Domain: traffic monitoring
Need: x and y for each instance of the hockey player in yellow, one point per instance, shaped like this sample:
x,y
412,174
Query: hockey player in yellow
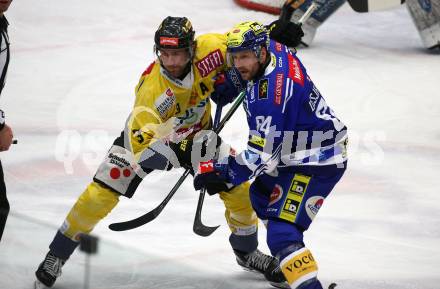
x,y
172,105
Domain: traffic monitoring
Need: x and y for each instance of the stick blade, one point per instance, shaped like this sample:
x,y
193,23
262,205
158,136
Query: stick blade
x,y
203,230
135,223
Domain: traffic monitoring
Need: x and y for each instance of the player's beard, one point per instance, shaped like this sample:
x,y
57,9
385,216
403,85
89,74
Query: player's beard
x,y
175,71
245,74
248,73
178,71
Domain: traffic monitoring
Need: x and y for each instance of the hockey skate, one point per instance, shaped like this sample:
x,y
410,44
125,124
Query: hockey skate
x,y
48,271
264,264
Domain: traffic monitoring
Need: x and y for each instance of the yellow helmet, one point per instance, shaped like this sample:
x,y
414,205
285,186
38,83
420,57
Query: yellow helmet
x,y
248,35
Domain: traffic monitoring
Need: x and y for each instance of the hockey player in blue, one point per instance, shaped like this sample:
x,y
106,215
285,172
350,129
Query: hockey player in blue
x,y
296,150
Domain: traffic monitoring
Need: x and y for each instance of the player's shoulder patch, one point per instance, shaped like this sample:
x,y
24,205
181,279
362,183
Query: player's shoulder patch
x,y
149,69
263,86
144,75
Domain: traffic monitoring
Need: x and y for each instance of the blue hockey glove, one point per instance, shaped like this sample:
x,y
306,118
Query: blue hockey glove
x,y
212,176
227,86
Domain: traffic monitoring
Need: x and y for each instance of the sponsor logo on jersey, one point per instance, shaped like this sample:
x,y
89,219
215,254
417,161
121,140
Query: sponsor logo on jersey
x,y
257,140
192,114
290,209
165,102
298,187
122,167
299,265
278,88
210,62
276,195
263,85
206,167
280,61
294,197
295,72
119,161
169,41
313,205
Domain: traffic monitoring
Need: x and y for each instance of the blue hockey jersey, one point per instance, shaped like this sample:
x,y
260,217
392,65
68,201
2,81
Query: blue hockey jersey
x,y
290,124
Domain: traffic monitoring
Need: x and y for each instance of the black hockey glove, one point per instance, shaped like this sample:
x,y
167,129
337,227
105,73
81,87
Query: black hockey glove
x,y
227,86
183,150
212,176
284,31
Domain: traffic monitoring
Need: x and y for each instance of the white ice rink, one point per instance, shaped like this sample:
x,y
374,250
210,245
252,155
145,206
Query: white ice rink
x,y
71,86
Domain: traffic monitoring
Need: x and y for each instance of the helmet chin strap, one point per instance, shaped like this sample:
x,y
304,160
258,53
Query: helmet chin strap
x,y
263,64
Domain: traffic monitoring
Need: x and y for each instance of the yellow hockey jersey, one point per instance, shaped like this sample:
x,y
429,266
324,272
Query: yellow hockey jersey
x,y
170,109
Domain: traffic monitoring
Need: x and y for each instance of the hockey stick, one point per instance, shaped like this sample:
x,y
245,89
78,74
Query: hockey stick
x,y
150,216
198,227
363,6
308,13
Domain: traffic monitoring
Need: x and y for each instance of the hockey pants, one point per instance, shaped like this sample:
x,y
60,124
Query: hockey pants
x,y
97,201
